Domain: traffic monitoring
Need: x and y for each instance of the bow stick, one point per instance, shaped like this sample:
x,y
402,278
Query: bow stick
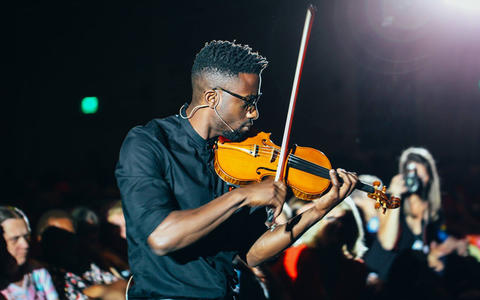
x,y
307,28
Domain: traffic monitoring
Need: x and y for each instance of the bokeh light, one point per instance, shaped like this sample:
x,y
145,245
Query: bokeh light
x,y
89,105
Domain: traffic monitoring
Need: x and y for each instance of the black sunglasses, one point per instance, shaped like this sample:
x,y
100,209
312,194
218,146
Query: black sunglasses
x,y
250,100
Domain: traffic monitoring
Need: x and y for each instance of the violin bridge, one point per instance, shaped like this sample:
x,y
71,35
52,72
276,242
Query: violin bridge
x,y
254,152
275,153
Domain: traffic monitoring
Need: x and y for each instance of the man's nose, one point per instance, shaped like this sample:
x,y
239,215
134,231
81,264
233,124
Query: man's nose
x,y
23,242
253,113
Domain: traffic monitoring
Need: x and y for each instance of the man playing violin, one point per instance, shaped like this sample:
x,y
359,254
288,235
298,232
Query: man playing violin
x,y
184,224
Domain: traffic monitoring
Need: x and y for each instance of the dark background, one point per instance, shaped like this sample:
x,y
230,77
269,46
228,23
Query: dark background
x,y
379,76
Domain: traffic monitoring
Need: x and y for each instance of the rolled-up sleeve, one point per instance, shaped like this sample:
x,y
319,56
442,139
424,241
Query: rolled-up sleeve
x,y
146,197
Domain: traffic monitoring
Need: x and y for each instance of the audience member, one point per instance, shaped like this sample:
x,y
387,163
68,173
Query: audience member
x,y
74,271
416,225
56,218
88,231
86,222
115,216
112,234
23,280
8,264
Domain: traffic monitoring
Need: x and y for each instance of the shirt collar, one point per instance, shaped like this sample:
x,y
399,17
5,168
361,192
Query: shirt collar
x,y
193,134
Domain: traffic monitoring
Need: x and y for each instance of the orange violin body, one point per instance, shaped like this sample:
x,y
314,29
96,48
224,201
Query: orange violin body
x,y
257,157
306,170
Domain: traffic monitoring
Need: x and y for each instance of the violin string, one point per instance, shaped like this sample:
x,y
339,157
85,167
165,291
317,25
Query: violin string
x,y
323,172
308,163
300,163
304,165
297,161
307,168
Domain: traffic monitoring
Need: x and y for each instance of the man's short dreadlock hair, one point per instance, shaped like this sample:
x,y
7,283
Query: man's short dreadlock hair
x,y
228,58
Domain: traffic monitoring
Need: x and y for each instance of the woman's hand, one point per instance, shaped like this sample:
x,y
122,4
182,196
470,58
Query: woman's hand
x,y
397,186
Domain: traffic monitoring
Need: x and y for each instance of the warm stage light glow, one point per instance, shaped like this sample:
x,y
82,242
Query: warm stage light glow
x,y
467,5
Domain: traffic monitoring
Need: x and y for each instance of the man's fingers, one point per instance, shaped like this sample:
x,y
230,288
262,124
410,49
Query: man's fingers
x,y
334,179
278,211
347,183
353,179
280,186
330,199
279,197
277,205
337,190
280,191
334,190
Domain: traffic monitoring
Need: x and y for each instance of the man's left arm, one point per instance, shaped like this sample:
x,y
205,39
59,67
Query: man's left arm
x,y
273,242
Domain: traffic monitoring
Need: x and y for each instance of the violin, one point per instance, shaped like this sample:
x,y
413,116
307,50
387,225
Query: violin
x,y
306,170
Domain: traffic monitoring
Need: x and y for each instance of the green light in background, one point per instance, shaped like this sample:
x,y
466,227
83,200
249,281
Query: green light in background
x,y
89,105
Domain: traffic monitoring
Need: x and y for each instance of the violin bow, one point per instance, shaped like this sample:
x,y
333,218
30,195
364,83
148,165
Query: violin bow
x,y
307,28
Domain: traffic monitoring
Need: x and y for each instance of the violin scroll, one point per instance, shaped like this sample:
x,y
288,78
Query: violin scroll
x,y
381,198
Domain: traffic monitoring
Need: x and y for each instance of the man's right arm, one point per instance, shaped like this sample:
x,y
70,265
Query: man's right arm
x,y
153,214
184,227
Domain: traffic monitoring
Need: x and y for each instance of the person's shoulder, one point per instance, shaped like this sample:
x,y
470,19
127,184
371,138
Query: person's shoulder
x,y
40,274
158,129
33,264
146,146
156,132
43,282
39,270
163,125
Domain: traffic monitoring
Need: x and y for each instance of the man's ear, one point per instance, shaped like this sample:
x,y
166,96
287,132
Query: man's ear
x,y
211,98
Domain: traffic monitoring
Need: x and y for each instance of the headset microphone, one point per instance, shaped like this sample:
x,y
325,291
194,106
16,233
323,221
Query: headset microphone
x,y
215,109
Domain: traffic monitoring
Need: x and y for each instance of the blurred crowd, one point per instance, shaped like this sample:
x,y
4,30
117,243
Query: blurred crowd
x,y
66,254
59,250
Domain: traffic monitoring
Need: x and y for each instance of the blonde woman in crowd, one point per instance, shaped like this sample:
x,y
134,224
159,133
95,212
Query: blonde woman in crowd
x,y
415,226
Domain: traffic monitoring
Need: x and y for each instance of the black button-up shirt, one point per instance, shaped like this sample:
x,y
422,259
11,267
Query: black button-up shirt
x,y
165,166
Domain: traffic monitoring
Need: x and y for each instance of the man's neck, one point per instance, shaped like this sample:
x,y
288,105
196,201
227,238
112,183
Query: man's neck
x,y
200,122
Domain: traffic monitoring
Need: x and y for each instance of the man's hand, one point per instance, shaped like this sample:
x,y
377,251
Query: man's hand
x,y
276,240
338,191
268,193
184,227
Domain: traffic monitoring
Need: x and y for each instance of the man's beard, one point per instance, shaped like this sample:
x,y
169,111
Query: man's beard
x,y
237,135
234,136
